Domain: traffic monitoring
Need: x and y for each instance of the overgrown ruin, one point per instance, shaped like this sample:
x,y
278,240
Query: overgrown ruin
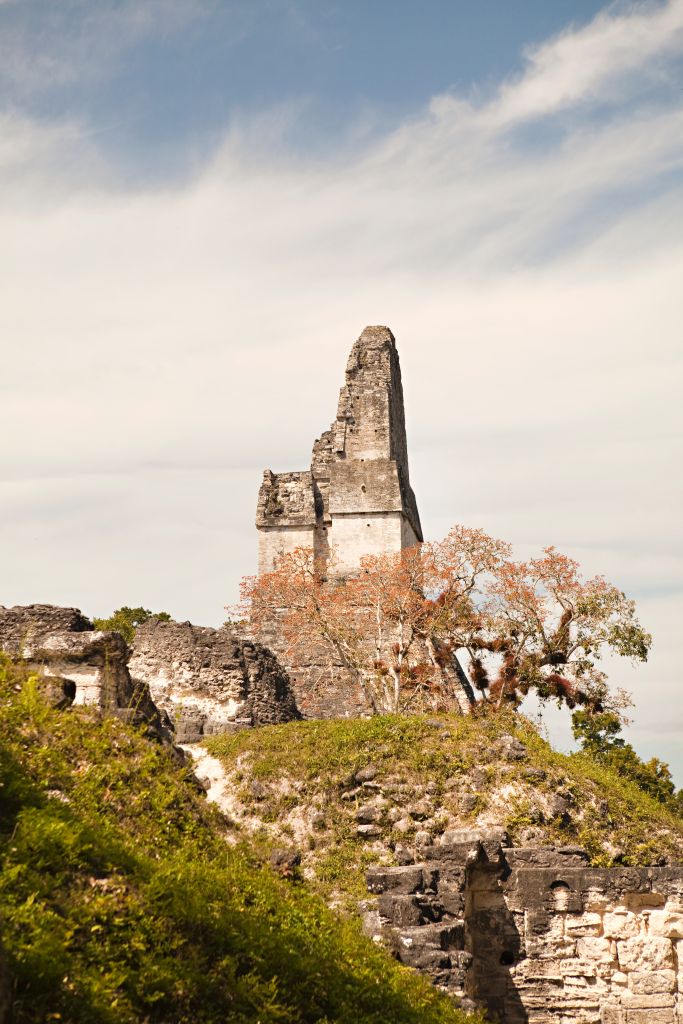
x,y
355,500
530,933
537,935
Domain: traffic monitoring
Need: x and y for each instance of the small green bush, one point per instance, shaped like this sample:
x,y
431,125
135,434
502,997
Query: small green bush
x,y
126,620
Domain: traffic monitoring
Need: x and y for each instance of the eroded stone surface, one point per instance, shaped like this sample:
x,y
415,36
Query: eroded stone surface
x,y
210,680
355,500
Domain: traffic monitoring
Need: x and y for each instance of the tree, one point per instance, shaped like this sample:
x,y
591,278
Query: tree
x,y
126,620
433,625
551,628
600,737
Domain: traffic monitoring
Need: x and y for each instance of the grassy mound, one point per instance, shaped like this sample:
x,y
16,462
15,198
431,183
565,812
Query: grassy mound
x,y
430,775
120,900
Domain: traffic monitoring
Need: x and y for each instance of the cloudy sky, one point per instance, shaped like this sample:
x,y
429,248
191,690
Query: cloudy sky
x,y
203,202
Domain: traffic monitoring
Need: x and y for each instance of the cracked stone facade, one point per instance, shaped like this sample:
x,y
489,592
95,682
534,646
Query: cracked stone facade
x,y
183,681
355,500
536,935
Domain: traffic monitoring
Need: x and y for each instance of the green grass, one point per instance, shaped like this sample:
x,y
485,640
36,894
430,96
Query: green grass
x,y
610,816
332,751
121,902
638,825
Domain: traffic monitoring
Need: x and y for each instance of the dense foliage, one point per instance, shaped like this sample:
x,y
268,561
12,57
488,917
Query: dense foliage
x,y
600,737
121,901
126,620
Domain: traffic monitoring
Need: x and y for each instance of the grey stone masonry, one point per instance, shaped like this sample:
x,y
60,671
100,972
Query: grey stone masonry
x,y
536,934
356,499
183,681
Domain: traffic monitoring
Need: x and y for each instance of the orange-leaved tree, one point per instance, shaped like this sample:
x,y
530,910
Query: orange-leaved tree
x,y
551,627
434,625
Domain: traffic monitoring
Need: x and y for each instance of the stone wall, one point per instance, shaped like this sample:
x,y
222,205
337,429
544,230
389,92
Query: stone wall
x,y
537,935
210,680
285,515
353,536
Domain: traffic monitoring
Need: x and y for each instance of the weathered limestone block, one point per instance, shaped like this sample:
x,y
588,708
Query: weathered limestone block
x,y
651,1015
623,924
408,879
642,1001
597,951
588,923
210,680
650,982
667,922
646,953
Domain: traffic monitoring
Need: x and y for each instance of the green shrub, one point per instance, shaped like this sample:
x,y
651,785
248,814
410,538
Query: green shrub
x,y
600,738
122,902
126,620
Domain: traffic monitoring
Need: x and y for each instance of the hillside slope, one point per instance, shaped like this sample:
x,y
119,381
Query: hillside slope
x,y
349,793
121,902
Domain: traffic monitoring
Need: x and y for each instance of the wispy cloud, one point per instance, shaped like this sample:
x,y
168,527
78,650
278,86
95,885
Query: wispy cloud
x,y
47,45
590,63
533,281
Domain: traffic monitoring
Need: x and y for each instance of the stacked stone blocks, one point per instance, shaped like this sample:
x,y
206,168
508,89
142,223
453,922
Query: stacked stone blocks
x,y
537,935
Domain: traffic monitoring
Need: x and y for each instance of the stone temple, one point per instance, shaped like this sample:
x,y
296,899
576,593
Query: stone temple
x,y
356,498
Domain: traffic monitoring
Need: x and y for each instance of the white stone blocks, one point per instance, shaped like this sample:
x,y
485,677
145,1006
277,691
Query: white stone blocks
x,y
646,953
621,925
667,922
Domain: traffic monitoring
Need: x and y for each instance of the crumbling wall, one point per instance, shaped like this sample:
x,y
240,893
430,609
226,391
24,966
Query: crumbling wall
x,y
286,516
210,680
537,935
87,666
356,499
599,944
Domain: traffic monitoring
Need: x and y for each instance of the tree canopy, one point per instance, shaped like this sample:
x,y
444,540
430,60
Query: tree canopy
x,y
126,620
454,623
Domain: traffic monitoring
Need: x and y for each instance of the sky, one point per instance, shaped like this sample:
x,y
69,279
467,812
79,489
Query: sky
x,y
203,203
